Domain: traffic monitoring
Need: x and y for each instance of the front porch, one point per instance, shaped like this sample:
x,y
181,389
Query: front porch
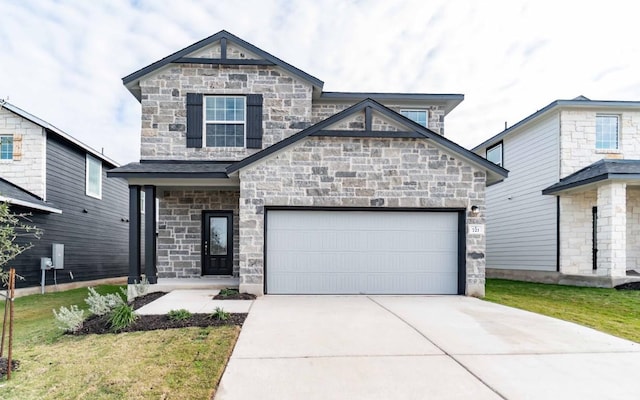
x,y
599,221
183,225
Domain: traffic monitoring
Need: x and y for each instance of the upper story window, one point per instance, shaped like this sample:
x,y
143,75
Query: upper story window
x,y
94,177
6,147
494,154
225,118
419,116
607,132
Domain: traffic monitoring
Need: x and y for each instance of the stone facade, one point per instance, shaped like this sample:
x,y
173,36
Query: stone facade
x,y
27,169
351,172
321,111
578,139
576,232
612,229
618,230
286,106
633,227
180,228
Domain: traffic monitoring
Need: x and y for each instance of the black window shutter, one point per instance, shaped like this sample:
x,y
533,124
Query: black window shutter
x,y
194,120
254,121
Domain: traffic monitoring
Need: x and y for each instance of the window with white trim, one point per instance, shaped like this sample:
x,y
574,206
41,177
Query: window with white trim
x,y
225,121
94,177
419,116
494,154
607,132
6,147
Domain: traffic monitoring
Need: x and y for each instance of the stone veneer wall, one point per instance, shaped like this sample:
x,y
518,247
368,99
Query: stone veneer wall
x,y
180,227
28,171
353,172
578,139
322,111
633,228
286,107
576,232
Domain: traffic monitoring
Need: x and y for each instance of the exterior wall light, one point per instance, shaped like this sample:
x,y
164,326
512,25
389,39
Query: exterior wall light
x,y
475,210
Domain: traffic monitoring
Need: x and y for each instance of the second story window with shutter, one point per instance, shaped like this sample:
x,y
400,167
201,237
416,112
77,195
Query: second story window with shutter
x,y
6,147
224,121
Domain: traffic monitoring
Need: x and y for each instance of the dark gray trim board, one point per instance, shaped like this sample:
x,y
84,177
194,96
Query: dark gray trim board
x,y
394,116
229,38
221,61
150,238
135,273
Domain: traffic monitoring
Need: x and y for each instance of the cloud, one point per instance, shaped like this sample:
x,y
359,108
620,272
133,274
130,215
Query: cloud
x,y
63,61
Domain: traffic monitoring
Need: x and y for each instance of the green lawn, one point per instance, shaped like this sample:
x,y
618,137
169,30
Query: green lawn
x,y
174,363
607,310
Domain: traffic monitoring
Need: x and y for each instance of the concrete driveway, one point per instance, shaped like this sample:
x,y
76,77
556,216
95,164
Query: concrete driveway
x,y
421,347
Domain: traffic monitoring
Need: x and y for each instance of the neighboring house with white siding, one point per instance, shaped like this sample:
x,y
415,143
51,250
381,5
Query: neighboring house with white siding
x,y
570,209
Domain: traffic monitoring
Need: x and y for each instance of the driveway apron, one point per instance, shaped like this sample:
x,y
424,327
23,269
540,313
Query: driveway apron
x,y
420,347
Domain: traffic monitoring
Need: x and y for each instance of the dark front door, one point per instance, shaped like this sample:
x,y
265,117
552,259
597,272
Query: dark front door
x,y
217,243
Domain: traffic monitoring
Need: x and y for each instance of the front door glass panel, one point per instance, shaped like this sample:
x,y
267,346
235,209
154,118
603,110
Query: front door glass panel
x,y
218,236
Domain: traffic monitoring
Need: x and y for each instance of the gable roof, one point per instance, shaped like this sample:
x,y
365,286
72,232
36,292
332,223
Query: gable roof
x,y
50,128
132,80
16,195
578,102
495,172
598,171
449,101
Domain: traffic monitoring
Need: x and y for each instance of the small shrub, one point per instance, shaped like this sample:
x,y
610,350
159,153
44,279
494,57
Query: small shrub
x,y
226,292
179,315
220,314
69,319
102,304
141,288
122,317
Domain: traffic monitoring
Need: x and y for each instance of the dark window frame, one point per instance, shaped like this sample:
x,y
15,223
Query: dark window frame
x,y
489,149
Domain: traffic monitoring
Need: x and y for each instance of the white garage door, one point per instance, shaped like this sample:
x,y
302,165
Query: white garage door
x,y
361,252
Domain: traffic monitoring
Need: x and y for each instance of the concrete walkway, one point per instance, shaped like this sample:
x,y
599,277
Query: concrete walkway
x,y
194,301
421,347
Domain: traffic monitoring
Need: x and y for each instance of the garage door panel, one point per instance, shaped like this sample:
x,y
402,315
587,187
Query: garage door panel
x,y
343,252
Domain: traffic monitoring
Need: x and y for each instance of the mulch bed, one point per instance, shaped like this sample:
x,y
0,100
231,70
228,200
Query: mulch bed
x,y
3,366
99,324
235,296
629,286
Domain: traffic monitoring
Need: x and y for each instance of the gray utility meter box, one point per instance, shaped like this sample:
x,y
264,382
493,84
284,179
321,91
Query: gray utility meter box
x,y
57,256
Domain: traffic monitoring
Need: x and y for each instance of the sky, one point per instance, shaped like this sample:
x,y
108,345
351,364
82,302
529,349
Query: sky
x,y
63,61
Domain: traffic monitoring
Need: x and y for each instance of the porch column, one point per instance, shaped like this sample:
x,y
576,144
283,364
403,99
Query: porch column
x,y
150,269
134,235
612,229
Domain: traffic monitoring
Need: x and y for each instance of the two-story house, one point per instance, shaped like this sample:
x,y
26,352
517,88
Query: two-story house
x,y
262,175
62,183
570,209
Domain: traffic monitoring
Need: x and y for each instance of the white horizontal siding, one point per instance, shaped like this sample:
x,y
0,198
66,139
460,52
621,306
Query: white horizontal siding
x,y
521,222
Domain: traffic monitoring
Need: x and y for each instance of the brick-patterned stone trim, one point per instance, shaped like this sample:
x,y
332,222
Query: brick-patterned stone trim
x,y
180,228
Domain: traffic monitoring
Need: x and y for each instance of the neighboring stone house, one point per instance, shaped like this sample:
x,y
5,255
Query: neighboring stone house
x,y
62,183
260,174
570,209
